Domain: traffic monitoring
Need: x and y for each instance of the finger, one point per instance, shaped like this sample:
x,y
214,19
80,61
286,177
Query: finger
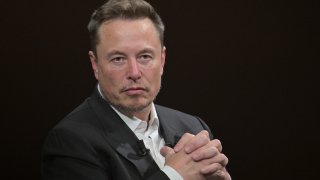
x,y
211,168
218,175
223,160
217,144
220,158
183,141
166,151
201,139
210,150
205,152
214,164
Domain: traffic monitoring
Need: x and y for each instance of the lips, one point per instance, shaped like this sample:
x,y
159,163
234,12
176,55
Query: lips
x,y
134,88
134,91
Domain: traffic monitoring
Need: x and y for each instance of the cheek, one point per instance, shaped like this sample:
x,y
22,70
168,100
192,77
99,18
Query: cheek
x,y
156,77
111,79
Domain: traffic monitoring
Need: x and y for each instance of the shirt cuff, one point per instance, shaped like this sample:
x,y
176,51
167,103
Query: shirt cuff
x,y
171,173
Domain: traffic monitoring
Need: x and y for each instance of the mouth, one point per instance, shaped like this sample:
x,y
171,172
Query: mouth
x,y
132,91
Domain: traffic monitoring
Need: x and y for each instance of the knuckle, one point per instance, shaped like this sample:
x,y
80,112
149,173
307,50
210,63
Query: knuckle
x,y
220,174
212,168
205,138
205,132
223,159
187,136
217,166
214,149
217,142
226,160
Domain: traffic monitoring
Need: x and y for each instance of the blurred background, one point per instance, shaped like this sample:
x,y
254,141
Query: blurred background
x,y
250,69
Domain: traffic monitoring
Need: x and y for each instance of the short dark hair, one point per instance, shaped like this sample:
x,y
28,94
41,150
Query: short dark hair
x,y
123,9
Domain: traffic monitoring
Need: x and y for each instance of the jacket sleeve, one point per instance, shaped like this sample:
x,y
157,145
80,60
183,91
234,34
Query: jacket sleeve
x,y
205,127
67,155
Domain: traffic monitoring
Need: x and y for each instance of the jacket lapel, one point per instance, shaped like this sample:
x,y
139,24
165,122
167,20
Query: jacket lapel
x,y
121,138
169,130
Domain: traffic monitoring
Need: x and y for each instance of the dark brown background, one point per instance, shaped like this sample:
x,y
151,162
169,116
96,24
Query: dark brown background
x,y
250,69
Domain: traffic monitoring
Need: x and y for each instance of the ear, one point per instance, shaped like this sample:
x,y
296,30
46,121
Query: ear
x,y
94,65
163,58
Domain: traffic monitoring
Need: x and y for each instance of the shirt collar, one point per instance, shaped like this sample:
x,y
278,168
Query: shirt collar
x,y
136,124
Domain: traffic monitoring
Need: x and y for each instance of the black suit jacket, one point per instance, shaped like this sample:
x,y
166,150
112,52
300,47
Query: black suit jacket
x,y
92,142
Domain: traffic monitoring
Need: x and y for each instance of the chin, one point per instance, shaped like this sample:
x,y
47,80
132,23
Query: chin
x,y
138,106
135,106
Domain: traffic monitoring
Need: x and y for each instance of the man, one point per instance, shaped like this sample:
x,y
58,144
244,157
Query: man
x,y
118,132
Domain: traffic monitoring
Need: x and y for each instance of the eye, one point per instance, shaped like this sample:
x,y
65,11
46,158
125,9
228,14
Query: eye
x,y
145,58
118,60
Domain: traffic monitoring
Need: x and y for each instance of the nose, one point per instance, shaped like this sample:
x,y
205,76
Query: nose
x,y
133,70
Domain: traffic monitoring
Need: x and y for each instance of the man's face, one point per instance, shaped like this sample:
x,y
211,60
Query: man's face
x,y
129,63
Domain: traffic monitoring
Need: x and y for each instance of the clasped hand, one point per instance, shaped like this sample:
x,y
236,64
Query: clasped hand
x,y
196,157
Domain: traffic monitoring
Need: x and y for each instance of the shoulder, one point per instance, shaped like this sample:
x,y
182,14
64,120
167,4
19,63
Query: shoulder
x,y
76,133
81,116
173,113
162,110
80,123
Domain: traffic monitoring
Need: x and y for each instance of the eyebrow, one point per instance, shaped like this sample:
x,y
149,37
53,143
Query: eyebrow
x,y
147,50
115,52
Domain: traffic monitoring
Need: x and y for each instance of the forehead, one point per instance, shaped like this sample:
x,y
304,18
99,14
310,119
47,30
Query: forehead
x,y
128,27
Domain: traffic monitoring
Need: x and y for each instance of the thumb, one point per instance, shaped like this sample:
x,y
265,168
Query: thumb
x,y
166,151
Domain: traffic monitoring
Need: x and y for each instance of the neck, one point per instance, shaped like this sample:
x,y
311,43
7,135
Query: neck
x,y
143,114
